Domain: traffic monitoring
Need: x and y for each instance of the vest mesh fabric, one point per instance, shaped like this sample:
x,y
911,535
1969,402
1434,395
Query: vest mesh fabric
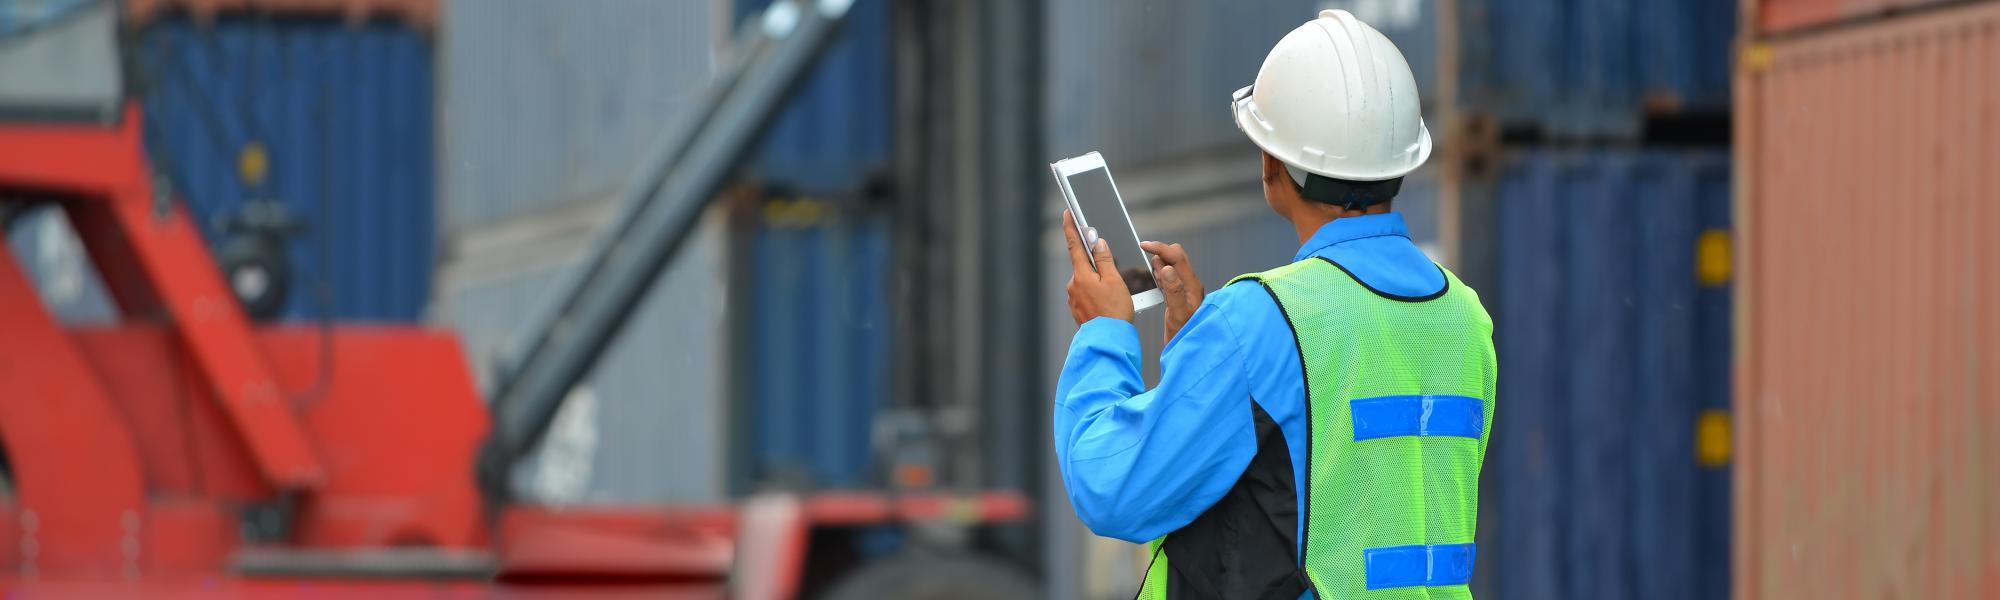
x,y
1154,587
1389,491
1382,492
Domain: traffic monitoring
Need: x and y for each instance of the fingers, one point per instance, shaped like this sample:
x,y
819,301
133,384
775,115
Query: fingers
x,y
1075,311
1170,279
1172,254
1077,261
1106,271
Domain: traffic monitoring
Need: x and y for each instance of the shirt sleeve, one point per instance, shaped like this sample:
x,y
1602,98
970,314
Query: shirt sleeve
x,y
1139,464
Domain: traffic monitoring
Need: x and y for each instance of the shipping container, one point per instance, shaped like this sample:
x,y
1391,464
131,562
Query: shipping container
x,y
329,121
648,423
420,12
543,104
1611,348
1147,80
818,338
1593,68
831,140
25,16
1868,410
59,59
1775,16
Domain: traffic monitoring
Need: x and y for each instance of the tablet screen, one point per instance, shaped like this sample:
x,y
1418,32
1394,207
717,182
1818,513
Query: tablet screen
x,y
1098,201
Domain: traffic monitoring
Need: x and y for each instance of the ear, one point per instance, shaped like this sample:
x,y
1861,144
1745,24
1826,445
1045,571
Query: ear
x,y
1279,190
1274,170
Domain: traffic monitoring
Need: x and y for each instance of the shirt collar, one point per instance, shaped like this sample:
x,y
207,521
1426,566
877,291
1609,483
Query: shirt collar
x,y
1347,229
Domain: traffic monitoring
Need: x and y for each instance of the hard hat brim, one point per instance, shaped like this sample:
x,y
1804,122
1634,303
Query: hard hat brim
x,y
1243,110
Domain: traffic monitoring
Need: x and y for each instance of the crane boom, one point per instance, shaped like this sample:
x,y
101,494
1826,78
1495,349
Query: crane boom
x,y
658,209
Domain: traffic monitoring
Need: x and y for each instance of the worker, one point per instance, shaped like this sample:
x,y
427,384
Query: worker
x,y
1318,428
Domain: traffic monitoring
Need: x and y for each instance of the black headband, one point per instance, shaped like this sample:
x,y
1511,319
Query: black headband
x,y
1351,195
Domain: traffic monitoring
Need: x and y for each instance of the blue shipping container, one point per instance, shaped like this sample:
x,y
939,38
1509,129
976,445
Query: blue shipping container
x,y
820,348
344,115
1609,349
833,134
1590,68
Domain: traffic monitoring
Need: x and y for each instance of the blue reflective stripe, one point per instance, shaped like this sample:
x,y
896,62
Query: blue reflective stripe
x,y
1390,416
1408,566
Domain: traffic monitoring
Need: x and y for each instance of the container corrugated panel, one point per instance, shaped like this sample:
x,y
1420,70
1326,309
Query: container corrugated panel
x,y
60,60
344,115
832,138
548,103
1868,405
422,12
820,346
1594,68
1147,80
1774,16
24,15
1605,342
647,423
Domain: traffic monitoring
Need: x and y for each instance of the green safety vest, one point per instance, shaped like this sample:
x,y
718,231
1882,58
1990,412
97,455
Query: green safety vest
x,y
1399,405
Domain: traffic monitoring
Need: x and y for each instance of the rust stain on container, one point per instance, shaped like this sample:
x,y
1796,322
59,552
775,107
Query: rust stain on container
x,y
1868,391
421,13
1785,15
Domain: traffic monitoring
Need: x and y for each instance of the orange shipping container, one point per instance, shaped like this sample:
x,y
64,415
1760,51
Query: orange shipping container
x,y
1868,390
1784,15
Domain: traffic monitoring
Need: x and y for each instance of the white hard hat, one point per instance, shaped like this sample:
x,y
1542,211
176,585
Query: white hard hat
x,y
1336,98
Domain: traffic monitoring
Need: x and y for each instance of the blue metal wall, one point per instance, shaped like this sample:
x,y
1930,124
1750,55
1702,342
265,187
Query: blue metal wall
x,y
1589,67
1608,349
821,328
833,135
344,112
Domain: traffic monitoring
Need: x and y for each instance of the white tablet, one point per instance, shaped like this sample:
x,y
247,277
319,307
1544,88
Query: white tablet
x,y
1087,188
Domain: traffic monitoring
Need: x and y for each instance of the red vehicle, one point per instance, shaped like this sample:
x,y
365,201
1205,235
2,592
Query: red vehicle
x,y
167,455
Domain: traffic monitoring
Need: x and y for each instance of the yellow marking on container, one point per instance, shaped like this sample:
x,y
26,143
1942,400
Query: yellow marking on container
x,y
252,163
1755,56
1712,258
1711,438
796,212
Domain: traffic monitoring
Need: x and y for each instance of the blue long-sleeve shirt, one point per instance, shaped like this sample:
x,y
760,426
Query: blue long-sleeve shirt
x,y
1141,463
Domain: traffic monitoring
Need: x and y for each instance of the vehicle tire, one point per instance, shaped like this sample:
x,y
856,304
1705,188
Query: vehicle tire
x,y
935,578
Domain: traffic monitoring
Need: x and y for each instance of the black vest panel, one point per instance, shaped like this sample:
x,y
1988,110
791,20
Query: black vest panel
x,y
1246,545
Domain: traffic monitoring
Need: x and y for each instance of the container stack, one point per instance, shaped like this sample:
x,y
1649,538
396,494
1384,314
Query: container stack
x,y
543,110
811,262
1593,169
287,134
1869,133
758,359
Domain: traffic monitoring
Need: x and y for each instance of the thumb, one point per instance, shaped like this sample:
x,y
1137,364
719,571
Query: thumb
x,y
1170,280
1101,251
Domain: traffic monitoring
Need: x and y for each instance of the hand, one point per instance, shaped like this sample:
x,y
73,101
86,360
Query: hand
x,y
1177,281
1094,292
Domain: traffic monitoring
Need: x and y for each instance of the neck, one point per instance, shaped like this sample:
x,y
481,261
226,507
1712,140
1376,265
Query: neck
x,y
1310,220
1309,224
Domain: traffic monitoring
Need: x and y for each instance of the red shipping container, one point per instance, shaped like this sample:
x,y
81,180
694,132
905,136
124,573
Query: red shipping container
x,y
1868,310
1775,16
